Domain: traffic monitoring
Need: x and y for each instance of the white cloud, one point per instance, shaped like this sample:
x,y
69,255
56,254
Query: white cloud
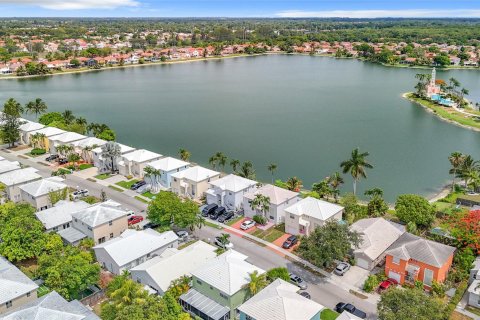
x,y
409,13
74,4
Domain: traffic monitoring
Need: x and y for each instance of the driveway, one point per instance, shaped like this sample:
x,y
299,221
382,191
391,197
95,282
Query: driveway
x,y
356,276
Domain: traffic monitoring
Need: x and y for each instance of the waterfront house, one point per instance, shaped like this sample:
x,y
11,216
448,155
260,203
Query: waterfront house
x,y
63,139
193,182
474,284
279,200
26,128
37,193
133,163
85,146
229,191
377,235
159,272
132,248
14,179
219,287
99,160
7,166
59,216
168,166
16,288
304,216
280,301
47,132
412,258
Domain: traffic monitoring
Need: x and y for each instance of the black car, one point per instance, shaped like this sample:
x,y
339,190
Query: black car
x,y
209,209
150,225
52,157
340,307
62,161
226,216
305,294
217,213
290,242
137,185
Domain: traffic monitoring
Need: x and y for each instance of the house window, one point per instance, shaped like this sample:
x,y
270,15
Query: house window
x,y
8,304
110,223
224,296
55,229
148,255
395,260
111,235
199,282
90,228
101,240
271,217
28,294
292,216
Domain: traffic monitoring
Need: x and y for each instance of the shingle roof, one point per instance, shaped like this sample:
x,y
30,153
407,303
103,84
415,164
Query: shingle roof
x,y
60,214
196,174
44,186
7,166
410,246
100,213
19,176
318,209
13,283
277,195
228,272
233,183
168,164
141,155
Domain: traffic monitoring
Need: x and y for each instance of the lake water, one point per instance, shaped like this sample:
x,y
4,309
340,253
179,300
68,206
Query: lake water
x,y
304,113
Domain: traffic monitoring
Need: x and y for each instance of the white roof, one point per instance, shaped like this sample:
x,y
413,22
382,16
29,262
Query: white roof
x,y
277,195
318,209
280,301
13,283
49,131
67,137
377,235
173,264
345,315
100,213
228,272
196,174
6,166
123,149
44,186
141,155
30,126
132,244
168,164
89,142
233,183
19,176
59,214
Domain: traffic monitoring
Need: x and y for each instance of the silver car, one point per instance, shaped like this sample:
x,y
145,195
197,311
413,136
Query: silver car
x,y
296,280
341,268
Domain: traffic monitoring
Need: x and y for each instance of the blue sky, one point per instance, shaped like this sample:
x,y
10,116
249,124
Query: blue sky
x,y
240,8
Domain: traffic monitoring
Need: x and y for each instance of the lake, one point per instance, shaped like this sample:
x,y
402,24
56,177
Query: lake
x,y
304,113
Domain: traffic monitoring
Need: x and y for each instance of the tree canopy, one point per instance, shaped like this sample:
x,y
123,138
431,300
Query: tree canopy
x,y
416,209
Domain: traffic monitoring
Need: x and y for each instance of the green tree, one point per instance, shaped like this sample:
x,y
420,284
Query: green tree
x,y
50,117
376,205
184,154
107,135
256,282
414,208
11,121
335,181
456,160
260,203
278,273
247,171
294,184
356,165
36,107
272,167
322,188
167,208
68,117
234,163
353,210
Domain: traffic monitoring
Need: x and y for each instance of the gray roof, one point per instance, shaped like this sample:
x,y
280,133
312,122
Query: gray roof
x,y
43,187
13,283
59,214
100,213
19,176
52,307
204,304
410,246
7,166
71,235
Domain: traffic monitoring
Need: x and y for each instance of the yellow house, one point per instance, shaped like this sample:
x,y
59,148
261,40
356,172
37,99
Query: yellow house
x,y
193,182
47,132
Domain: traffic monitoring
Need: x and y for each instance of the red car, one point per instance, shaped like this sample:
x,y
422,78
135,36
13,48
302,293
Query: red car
x,y
387,284
134,220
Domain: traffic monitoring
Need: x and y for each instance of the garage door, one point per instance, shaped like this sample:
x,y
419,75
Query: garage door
x,y
362,263
394,276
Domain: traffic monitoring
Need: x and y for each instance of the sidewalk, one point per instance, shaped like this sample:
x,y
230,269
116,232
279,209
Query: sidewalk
x,y
461,307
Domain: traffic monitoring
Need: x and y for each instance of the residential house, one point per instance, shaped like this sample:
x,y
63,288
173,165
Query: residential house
x,y
377,235
193,182
412,258
59,216
345,315
132,248
168,166
309,213
14,179
219,287
133,163
7,166
280,301
229,191
279,200
63,139
25,130
91,143
474,284
16,289
47,132
99,160
37,193
51,306
159,272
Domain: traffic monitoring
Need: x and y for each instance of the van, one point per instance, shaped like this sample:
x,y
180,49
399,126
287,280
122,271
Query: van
x,y
217,213
209,209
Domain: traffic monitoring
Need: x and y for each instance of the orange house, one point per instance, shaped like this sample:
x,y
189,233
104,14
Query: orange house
x,y
412,258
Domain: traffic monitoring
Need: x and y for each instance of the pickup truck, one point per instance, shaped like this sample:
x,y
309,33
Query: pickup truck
x,y
342,306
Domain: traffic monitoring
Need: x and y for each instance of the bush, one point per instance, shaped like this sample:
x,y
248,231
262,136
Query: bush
x,y
37,152
371,283
438,289
278,273
259,219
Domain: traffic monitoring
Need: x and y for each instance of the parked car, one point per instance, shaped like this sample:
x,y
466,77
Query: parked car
x,y
137,185
150,225
217,213
80,194
130,214
52,157
209,209
247,224
296,280
183,235
143,188
62,161
341,268
342,306
226,216
290,242
227,245
387,284
134,220
305,294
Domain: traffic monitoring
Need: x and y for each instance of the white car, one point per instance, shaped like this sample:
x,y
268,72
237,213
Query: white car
x,y
247,224
80,194
227,245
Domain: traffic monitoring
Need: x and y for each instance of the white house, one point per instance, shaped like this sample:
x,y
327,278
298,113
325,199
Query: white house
x,y
193,182
132,248
59,216
63,139
133,163
168,166
345,315
159,272
14,179
474,284
279,199
7,166
26,128
229,191
309,213
37,192
98,158
47,132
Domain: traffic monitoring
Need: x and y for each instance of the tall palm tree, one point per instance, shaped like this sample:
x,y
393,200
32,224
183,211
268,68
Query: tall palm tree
x,y
86,153
468,165
184,154
356,165
152,176
234,163
456,160
111,151
257,282
474,179
247,171
335,181
81,121
36,107
260,203
212,161
294,184
34,140
221,160
41,139
73,158
223,239
272,167
128,294
68,116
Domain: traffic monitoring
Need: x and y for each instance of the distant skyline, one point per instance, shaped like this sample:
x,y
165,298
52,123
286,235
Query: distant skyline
x,y
241,8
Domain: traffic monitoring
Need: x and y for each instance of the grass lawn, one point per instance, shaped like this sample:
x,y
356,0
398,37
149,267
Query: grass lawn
x,y
84,166
141,199
115,188
473,310
328,314
102,176
150,195
229,223
43,290
126,184
213,225
269,235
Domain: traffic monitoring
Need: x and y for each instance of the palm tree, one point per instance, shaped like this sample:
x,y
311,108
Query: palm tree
x,y
36,107
257,282
468,165
111,151
247,171
473,179
212,161
86,152
128,294
184,154
221,160
294,184
356,165
81,121
41,139
260,203
456,160
152,176
234,163
272,167
73,158
68,117
34,140
223,239
335,181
